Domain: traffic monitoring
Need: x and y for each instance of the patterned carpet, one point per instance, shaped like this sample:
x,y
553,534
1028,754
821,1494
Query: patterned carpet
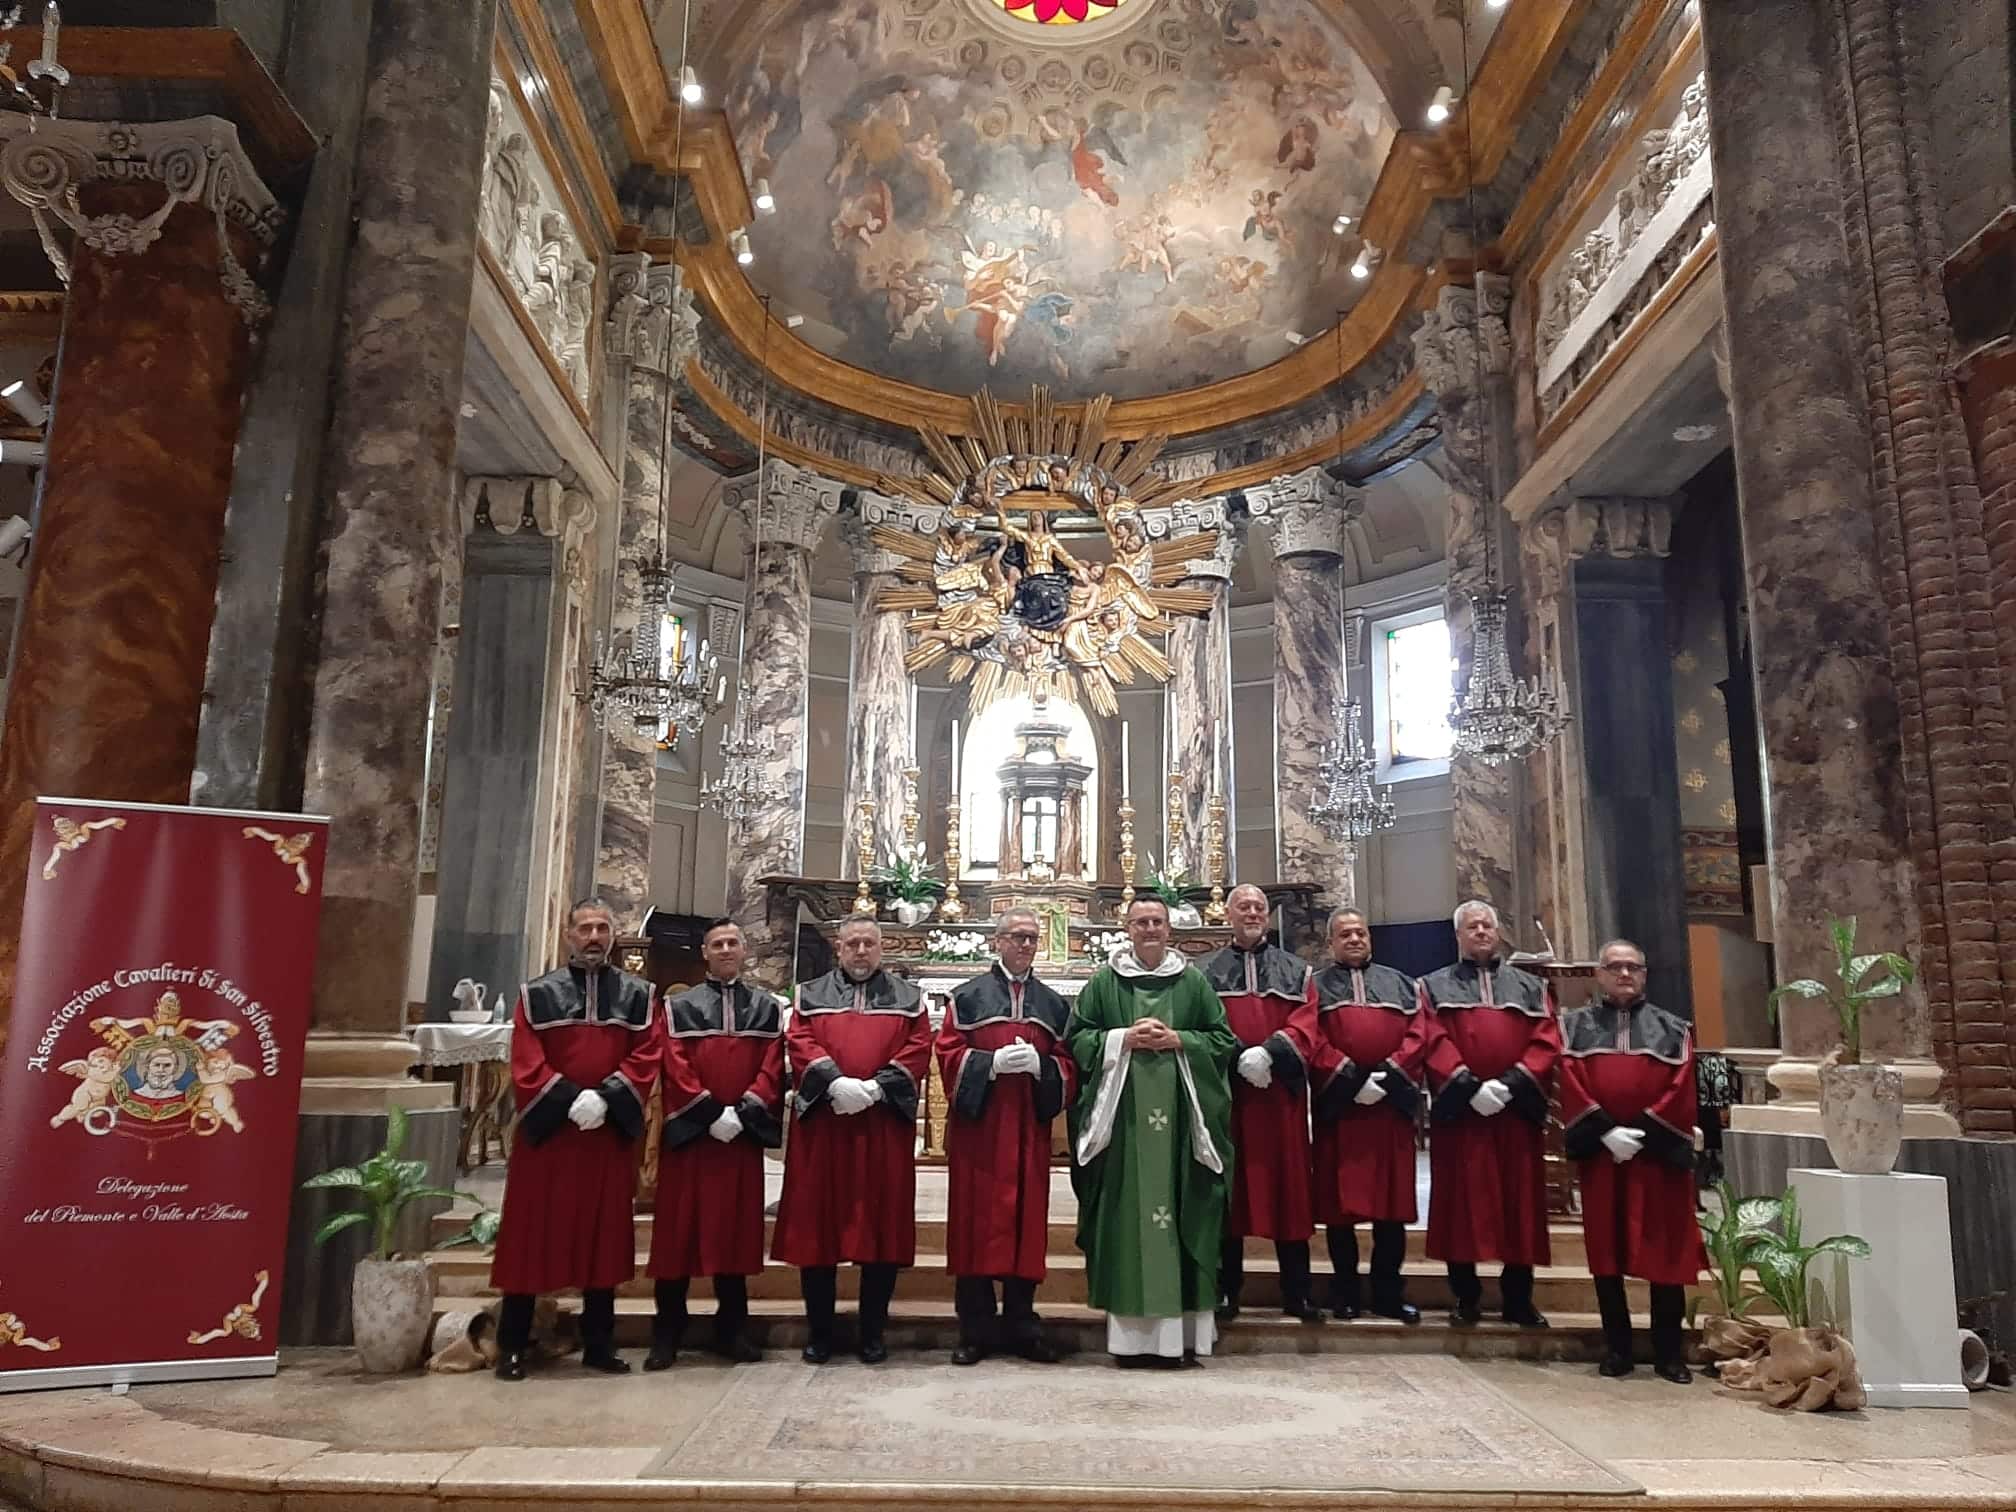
x,y
1317,1422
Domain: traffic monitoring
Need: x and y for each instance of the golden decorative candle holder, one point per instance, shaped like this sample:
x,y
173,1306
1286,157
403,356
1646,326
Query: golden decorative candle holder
x,y
910,775
1172,825
1214,852
1126,855
952,910
864,848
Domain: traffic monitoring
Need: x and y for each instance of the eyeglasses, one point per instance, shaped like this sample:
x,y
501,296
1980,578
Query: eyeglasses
x,y
1621,966
1022,937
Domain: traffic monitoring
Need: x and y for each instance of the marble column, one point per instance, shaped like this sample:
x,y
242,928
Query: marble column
x,y
880,741
1819,538
653,323
1200,699
1462,350
1308,513
788,511
388,505
113,635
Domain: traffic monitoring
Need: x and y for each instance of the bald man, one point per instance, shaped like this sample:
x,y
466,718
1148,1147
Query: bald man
x,y
1270,1004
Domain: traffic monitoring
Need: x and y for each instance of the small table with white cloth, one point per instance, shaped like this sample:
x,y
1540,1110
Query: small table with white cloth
x,y
480,1055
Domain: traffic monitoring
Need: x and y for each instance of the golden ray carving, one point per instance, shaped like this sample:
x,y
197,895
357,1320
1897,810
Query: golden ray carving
x,y
991,587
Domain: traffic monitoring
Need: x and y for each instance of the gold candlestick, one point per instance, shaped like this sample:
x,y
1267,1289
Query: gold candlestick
x,y
910,775
1126,854
952,909
1214,852
864,849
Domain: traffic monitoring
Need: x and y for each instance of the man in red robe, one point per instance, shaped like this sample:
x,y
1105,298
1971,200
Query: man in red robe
x,y
1270,1004
1366,1073
1492,1042
583,1058
1007,1073
859,1046
721,1046
1628,1111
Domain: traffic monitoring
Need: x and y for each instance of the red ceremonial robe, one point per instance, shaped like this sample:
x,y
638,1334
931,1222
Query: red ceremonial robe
x,y
1633,1068
568,1192
1488,1194
1270,1001
997,1141
1369,1019
721,1045
850,1180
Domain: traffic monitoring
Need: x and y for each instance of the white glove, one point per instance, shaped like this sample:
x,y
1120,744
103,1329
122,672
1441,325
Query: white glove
x,y
1018,1059
589,1110
1624,1144
1257,1066
1373,1091
727,1126
849,1094
1491,1099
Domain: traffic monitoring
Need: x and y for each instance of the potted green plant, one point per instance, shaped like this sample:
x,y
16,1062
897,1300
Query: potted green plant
x,y
1861,1103
908,887
1167,883
391,1300
1732,1229
1804,1364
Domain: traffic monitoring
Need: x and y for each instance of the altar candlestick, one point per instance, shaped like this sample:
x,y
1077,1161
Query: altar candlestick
x,y
1126,782
913,721
955,761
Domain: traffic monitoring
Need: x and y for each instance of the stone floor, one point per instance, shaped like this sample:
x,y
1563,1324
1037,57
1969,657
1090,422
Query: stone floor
x,y
1370,1430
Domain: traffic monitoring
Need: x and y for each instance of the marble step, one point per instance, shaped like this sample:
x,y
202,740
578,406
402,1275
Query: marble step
x,y
1564,1235
1556,1288
931,1325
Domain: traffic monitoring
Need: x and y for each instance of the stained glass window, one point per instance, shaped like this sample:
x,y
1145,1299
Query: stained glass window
x,y
1419,672
1059,12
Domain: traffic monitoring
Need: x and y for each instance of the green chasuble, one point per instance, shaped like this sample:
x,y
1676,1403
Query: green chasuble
x,y
1145,1138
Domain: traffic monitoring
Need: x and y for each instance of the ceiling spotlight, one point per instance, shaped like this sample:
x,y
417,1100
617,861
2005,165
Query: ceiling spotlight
x,y
1340,225
1295,338
689,86
740,242
765,200
792,322
1368,258
1438,108
1694,433
24,403
1497,4
22,453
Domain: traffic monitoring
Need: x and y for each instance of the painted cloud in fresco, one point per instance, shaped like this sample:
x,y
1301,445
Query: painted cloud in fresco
x,y
1145,213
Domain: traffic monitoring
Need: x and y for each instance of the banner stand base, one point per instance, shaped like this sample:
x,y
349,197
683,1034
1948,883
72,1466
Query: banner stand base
x,y
70,1377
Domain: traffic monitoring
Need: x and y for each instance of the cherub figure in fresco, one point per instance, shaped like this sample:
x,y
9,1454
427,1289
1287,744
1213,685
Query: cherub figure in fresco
x,y
999,286
860,28
1297,151
861,216
1093,152
1145,245
927,152
908,297
875,142
95,1075
1266,220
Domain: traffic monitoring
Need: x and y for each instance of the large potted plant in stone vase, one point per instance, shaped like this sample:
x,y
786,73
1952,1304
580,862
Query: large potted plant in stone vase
x,y
1861,1102
391,1300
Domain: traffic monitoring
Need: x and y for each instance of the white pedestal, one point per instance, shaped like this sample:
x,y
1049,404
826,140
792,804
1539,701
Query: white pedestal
x,y
1897,1307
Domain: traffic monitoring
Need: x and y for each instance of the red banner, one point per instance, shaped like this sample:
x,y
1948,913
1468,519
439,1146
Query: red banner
x,y
150,1091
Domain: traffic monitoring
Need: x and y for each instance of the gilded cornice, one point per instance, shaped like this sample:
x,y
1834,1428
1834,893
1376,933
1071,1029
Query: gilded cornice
x,y
30,315
1422,167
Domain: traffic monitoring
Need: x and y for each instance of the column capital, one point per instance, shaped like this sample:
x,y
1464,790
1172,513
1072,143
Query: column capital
x,y
197,162
1569,530
796,504
627,302
1464,337
867,557
1308,512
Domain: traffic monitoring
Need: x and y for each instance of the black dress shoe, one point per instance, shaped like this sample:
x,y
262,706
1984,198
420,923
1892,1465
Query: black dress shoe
x,y
1226,1312
1466,1315
1675,1371
1615,1365
873,1351
736,1351
816,1351
511,1367
1037,1350
1190,1361
1526,1317
1302,1310
968,1354
607,1361
1344,1312
1400,1312
661,1357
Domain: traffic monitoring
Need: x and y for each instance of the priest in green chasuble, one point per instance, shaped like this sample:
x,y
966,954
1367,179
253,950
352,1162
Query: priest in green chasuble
x,y
1151,1145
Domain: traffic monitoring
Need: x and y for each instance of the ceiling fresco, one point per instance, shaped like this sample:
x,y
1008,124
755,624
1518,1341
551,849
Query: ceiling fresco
x,y
1132,205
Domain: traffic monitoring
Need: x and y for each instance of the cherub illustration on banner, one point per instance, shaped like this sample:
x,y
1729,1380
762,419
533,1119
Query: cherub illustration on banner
x,y
289,848
70,835
96,1073
14,1331
242,1321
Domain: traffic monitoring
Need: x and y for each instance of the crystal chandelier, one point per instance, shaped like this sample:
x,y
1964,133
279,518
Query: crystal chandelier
x,y
750,779
659,693
1349,806
1499,717
16,95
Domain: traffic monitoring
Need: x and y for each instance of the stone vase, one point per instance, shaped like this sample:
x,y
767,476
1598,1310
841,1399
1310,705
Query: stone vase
x,y
912,912
1862,1116
391,1310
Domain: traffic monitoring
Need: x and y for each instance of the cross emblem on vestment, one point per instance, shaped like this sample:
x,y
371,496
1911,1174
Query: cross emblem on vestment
x,y
1158,1120
1161,1217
